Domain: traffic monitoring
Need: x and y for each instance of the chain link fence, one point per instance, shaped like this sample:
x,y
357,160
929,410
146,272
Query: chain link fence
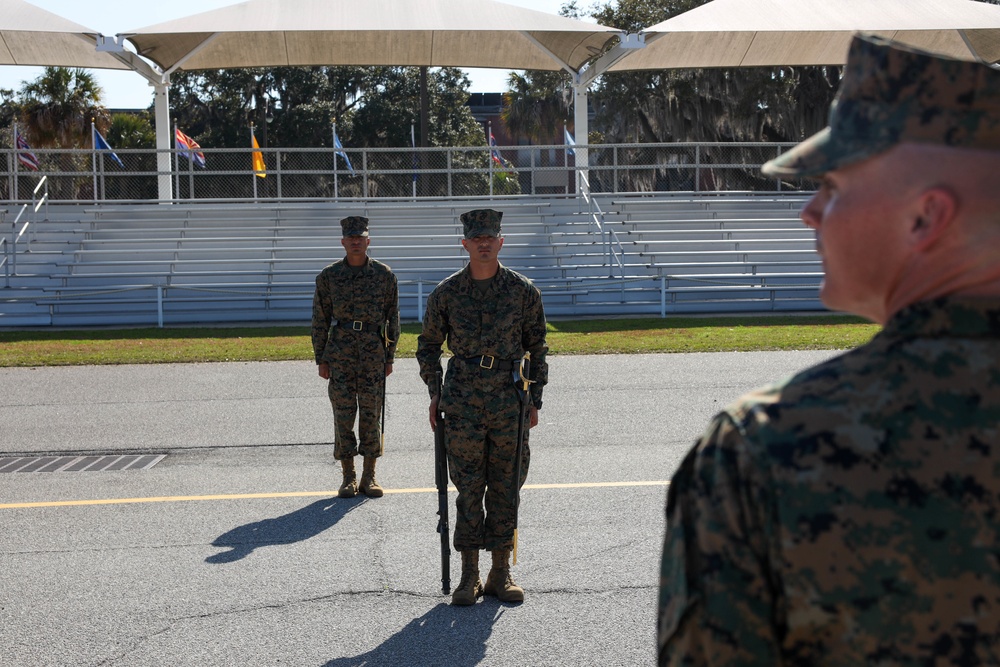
x,y
373,173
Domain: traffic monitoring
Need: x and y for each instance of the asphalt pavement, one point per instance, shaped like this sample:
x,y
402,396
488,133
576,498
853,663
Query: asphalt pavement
x,y
234,550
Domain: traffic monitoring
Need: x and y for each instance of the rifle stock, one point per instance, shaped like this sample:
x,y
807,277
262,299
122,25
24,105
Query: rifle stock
x,y
386,341
441,481
523,385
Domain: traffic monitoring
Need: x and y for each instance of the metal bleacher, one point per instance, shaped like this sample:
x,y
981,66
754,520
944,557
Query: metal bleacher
x,y
202,264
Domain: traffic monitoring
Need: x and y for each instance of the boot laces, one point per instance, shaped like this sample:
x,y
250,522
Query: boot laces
x,y
467,578
508,581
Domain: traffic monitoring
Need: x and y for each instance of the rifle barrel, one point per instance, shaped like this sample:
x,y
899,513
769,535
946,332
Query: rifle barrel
x,y
441,481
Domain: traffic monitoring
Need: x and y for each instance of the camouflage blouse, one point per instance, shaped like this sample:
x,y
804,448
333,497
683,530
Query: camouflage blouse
x,y
849,515
342,295
504,323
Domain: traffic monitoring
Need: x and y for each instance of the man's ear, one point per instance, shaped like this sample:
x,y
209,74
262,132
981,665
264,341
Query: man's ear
x,y
936,210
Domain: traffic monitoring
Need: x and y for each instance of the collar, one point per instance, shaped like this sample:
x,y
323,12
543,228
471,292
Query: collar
x,y
948,317
466,283
365,268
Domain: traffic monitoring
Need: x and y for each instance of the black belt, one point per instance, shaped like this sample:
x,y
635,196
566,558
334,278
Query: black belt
x,y
356,325
490,363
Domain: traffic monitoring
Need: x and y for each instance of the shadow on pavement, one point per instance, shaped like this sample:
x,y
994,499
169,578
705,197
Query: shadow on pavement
x,y
444,636
299,525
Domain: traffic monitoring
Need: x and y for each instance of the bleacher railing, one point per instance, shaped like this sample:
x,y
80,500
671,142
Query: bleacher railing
x,y
148,303
609,238
377,173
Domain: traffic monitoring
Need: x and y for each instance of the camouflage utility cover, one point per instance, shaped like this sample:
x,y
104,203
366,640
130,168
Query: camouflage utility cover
x,y
892,94
849,515
354,225
481,222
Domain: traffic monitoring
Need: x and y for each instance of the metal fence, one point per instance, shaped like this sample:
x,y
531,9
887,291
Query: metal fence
x,y
373,173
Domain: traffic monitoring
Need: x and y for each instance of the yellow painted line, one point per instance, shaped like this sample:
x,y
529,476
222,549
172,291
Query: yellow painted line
x,y
292,494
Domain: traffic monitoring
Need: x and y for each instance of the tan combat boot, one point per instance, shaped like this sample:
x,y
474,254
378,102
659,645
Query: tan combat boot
x,y
471,586
349,488
499,581
368,485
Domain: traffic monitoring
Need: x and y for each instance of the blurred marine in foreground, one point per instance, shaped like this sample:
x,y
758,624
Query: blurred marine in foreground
x,y
850,514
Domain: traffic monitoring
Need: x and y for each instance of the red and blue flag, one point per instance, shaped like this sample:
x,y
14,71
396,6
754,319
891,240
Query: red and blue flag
x,y
24,154
189,148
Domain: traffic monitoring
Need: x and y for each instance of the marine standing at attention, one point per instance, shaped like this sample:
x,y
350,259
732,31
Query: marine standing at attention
x,y
489,316
355,326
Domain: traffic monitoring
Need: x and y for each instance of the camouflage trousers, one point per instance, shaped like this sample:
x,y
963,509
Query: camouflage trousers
x,y
481,455
355,391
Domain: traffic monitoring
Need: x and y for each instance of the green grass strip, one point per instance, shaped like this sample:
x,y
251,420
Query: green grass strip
x,y
281,343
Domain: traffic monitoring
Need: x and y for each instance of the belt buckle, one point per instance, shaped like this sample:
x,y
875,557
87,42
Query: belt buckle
x,y
358,325
482,362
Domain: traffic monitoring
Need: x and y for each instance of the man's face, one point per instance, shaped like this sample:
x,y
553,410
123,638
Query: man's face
x,y
483,248
859,214
356,246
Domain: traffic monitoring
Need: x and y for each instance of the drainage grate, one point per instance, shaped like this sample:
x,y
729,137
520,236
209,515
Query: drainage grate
x,y
79,463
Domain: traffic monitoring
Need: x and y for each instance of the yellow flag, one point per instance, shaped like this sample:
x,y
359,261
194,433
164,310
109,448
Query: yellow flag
x,y
258,158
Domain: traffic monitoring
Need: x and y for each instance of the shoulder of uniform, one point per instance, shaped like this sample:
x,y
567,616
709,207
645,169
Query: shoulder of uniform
x,y
454,278
379,266
517,278
330,268
449,284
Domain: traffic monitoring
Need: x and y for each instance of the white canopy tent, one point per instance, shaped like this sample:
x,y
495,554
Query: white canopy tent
x,y
30,35
736,33
430,33
486,33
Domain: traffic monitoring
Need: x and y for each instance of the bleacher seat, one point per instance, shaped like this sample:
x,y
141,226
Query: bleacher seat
x,y
213,263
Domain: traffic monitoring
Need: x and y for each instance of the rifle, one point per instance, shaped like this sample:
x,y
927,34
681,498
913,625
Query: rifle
x,y
386,341
441,481
522,383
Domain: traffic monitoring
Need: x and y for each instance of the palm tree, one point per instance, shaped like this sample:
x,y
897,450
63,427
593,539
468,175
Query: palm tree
x,y
57,108
536,106
130,130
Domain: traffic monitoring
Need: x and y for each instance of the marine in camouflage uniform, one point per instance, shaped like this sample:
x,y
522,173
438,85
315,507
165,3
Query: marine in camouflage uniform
x,y
850,515
489,316
355,326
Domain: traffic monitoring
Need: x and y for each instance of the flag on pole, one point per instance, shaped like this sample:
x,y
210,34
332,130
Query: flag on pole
x,y
494,152
101,144
569,141
188,148
339,150
413,142
259,169
24,154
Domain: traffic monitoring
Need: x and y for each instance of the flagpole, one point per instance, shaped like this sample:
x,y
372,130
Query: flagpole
x,y
177,165
253,173
93,155
13,188
190,168
566,146
566,154
335,192
489,154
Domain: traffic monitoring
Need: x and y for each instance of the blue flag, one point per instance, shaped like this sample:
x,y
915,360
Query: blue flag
x,y
339,150
413,142
101,144
569,141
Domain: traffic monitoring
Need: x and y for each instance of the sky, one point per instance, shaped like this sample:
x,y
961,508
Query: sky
x,y
128,90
